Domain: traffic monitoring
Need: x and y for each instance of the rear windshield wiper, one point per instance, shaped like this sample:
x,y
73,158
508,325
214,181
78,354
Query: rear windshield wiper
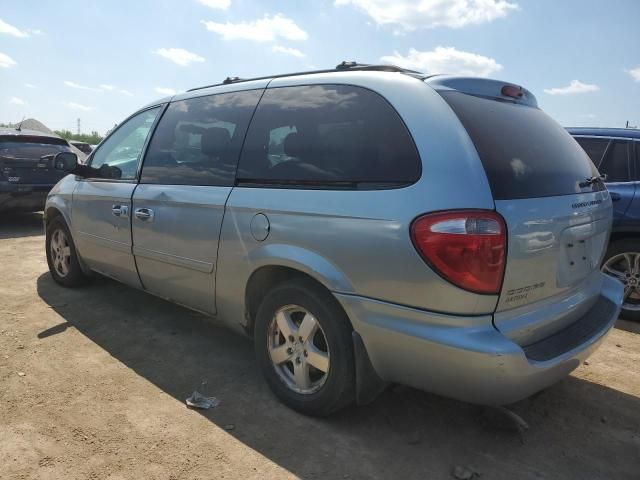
x,y
590,181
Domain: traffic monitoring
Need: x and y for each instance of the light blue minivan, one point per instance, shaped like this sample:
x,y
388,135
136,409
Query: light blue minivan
x,y
364,225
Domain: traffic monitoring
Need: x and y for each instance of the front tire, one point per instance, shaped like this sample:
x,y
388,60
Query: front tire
x,y
303,346
62,257
622,262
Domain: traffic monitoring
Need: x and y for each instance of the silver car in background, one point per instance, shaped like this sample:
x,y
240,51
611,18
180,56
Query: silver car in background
x,y
364,225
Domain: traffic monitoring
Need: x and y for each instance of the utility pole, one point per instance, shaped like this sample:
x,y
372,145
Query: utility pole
x,y
78,126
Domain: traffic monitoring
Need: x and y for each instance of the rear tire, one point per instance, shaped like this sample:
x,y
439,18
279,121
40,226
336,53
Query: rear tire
x,y
303,346
62,257
622,261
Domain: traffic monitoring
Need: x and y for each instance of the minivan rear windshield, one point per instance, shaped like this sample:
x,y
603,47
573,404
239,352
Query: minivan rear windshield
x,y
524,152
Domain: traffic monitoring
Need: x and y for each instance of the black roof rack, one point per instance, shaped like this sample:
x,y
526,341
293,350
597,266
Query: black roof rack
x,y
341,67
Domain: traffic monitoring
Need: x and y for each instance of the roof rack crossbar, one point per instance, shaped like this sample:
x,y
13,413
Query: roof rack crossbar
x,y
341,67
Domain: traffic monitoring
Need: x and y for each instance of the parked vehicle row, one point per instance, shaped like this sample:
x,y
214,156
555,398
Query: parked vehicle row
x,y
616,153
363,225
84,147
25,177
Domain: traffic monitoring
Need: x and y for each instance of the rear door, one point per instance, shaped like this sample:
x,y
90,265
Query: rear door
x,y
613,159
558,218
20,159
178,208
630,222
102,205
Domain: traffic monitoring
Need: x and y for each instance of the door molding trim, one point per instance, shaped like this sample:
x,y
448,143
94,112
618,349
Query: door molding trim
x,y
198,265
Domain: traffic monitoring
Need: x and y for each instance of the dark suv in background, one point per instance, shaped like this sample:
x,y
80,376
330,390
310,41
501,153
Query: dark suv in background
x,y
616,153
25,177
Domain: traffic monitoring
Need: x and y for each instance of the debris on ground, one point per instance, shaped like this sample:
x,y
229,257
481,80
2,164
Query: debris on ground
x,y
504,419
21,374
229,427
518,421
197,400
464,473
586,362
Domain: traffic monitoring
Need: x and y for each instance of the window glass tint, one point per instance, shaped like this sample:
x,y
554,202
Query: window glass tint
x,y
121,150
616,164
328,135
198,140
595,148
524,152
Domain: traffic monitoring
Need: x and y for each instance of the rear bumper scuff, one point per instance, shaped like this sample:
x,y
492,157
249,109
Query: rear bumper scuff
x,y
466,357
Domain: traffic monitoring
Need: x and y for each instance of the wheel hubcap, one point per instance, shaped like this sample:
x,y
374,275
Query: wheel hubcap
x,y
298,349
626,268
60,252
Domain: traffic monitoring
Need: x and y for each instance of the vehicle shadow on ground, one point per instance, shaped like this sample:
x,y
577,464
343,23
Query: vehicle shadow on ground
x,y
628,325
17,225
578,429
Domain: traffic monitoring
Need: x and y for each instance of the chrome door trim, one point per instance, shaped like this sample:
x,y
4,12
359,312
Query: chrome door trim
x,y
603,137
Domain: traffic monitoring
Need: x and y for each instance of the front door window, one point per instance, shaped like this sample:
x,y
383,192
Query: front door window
x,y
118,156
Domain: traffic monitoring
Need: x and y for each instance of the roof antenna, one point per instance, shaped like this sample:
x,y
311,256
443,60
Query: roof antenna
x,y
19,126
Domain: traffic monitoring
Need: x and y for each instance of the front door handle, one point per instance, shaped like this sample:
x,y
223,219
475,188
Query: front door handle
x,y
145,214
120,210
615,197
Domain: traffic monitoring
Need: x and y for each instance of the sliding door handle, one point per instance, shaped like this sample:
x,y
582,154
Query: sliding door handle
x,y
145,214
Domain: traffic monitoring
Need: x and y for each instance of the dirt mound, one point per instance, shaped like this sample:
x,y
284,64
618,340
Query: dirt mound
x,y
38,126
33,124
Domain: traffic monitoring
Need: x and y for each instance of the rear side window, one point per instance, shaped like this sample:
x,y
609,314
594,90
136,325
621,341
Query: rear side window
x,y
30,147
198,140
615,164
595,148
524,152
328,136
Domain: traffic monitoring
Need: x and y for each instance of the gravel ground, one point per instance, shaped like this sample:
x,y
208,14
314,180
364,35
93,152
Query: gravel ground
x,y
93,382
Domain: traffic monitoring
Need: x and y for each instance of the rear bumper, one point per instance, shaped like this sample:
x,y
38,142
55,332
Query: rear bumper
x,y
466,357
23,197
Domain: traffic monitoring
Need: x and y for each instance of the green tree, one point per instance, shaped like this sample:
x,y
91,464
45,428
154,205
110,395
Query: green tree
x,y
93,139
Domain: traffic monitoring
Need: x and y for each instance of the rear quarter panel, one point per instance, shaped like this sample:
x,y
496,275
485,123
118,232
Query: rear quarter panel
x,y
357,242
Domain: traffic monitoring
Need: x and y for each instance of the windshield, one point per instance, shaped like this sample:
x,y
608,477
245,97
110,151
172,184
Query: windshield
x,y
525,153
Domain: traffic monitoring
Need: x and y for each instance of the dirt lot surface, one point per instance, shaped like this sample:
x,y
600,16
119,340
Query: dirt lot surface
x,y
93,382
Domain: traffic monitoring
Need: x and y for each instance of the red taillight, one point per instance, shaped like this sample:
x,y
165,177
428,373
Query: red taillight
x,y
512,91
466,247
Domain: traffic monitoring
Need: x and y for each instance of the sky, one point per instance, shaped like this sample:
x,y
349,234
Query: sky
x,y
100,60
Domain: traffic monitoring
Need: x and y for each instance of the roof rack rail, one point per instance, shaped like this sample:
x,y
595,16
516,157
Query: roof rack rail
x,y
228,80
341,67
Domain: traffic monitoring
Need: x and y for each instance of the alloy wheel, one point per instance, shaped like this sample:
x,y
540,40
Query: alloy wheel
x,y
60,252
626,268
298,349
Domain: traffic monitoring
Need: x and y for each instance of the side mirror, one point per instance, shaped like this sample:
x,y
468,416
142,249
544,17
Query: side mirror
x,y
65,161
